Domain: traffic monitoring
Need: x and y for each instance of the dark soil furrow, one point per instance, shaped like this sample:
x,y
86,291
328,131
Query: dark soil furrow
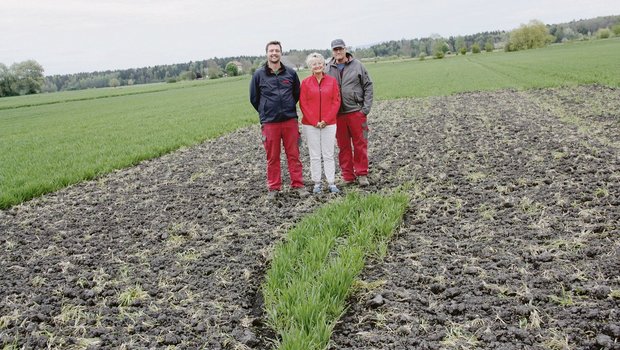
x,y
511,240
188,234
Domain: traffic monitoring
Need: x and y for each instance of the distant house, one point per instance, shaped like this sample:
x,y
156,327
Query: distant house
x,y
239,66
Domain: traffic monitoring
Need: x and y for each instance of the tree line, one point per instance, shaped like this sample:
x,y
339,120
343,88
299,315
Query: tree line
x,y
27,77
527,36
212,68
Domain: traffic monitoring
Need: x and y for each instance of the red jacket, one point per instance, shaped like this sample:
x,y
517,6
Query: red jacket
x,y
319,101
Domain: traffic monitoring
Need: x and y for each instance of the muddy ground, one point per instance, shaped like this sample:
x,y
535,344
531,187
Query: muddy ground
x,y
511,240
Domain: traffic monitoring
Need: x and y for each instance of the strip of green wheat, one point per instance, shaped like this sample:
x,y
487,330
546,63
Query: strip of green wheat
x,y
313,269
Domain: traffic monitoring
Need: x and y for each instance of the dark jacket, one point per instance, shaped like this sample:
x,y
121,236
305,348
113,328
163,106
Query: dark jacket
x,y
275,96
355,85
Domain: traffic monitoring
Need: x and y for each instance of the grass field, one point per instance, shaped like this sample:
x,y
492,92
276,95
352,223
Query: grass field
x,y
559,65
49,141
90,94
51,145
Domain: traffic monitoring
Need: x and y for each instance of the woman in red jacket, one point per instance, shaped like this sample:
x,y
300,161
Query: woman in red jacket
x,y
319,101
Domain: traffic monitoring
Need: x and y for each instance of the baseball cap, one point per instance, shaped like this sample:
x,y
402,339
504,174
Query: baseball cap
x,y
338,43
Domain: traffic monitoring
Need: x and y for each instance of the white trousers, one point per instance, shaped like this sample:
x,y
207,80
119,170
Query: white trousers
x,y
321,145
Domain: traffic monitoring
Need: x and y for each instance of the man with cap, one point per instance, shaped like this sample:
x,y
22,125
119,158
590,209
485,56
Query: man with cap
x,y
351,124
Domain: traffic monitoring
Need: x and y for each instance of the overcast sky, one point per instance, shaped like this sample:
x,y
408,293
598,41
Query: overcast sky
x,y
71,36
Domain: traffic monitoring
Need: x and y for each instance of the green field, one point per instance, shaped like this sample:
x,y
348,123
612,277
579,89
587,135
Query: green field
x,y
567,64
50,145
49,141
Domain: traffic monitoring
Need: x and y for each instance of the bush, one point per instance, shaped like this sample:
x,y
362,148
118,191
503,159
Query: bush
x,y
439,55
114,82
21,78
488,47
616,29
231,69
475,48
463,50
532,36
188,75
603,33
422,56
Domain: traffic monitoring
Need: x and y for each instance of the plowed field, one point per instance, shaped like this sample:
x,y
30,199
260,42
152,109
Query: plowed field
x,y
511,239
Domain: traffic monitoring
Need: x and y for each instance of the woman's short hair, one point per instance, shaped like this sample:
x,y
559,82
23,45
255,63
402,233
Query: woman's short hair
x,y
314,57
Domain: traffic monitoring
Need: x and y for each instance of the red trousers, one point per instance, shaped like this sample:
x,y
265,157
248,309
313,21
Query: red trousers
x,y
352,138
287,134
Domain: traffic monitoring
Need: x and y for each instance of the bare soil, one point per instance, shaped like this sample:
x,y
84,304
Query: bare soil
x,y
511,241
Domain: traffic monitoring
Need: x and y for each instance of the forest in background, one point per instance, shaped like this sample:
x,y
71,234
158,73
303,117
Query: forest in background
x,y
27,77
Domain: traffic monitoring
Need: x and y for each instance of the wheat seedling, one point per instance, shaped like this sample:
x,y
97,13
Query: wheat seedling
x,y
131,295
